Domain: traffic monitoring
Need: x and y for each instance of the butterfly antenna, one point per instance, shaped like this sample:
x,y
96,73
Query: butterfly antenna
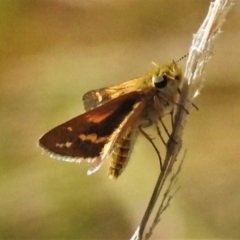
x,y
152,142
180,59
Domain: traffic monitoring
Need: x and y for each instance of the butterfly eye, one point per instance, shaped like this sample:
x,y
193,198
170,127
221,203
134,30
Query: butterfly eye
x,y
177,78
160,81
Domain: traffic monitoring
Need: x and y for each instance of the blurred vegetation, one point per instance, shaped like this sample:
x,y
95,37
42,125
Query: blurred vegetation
x,y
52,51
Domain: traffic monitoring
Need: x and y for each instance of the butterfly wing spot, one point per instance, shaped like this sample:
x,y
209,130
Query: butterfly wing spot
x,y
101,139
97,118
68,144
82,137
69,129
99,96
92,138
61,145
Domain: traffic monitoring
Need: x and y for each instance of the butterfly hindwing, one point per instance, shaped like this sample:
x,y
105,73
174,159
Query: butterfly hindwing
x,y
95,98
98,97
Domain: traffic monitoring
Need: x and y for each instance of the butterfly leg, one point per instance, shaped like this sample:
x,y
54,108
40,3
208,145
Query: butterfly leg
x,y
194,105
166,130
164,127
150,140
160,134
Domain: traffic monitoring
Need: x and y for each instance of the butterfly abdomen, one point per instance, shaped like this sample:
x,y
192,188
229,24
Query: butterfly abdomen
x,y
121,154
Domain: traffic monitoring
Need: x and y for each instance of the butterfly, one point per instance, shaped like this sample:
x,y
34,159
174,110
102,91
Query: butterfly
x,y
114,116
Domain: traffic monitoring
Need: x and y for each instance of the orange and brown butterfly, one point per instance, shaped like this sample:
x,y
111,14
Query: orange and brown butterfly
x,y
112,119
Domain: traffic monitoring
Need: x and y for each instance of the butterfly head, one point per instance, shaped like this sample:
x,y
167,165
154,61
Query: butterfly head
x,y
167,78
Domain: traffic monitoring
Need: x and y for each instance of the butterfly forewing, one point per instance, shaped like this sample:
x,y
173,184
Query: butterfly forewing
x,y
92,135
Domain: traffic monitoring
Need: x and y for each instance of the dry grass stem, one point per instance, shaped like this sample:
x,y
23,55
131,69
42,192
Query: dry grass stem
x,y
199,53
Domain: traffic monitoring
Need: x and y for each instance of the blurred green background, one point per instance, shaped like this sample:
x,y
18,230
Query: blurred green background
x,y
51,52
